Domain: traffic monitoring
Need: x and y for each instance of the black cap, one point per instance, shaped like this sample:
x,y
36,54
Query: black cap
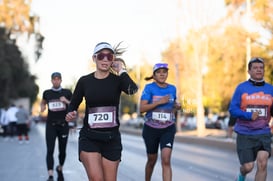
x,y
56,74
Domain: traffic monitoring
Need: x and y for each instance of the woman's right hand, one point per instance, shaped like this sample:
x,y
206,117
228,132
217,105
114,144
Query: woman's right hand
x,y
165,99
116,66
71,116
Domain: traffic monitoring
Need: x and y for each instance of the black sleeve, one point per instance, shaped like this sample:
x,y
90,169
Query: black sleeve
x,y
77,96
128,85
68,94
44,95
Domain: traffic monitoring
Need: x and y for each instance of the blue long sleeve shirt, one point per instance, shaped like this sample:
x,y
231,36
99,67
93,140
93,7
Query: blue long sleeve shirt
x,y
249,98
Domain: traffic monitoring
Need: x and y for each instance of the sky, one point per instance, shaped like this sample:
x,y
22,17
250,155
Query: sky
x,y
72,28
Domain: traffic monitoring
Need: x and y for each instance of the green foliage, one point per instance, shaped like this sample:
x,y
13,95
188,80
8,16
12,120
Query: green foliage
x,y
16,81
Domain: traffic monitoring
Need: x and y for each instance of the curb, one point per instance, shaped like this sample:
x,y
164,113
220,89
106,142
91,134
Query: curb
x,y
205,141
215,142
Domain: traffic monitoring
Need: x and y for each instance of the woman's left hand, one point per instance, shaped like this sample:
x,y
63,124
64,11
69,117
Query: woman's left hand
x,y
177,106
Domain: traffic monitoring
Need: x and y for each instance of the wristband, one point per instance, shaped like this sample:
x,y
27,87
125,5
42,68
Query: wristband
x,y
122,71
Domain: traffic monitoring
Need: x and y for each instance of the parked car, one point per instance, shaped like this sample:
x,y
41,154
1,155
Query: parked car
x,y
136,122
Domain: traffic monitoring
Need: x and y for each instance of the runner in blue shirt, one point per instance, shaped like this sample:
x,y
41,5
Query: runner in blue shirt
x,y
158,100
251,104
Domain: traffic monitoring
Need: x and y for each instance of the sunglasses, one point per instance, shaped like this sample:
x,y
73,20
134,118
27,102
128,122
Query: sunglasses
x,y
101,56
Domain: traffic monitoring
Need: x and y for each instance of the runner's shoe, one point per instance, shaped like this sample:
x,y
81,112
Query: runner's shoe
x,y
60,174
50,178
240,177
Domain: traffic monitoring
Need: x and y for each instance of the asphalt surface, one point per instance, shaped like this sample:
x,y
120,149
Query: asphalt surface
x,y
211,137
26,162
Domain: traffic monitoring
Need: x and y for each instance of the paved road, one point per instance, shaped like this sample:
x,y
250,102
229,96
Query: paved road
x,y
194,159
26,162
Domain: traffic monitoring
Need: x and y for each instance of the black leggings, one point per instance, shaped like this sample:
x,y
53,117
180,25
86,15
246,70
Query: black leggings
x,y
53,132
12,129
22,129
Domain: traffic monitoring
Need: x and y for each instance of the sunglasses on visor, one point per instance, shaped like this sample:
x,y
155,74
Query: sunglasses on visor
x,y
256,59
101,56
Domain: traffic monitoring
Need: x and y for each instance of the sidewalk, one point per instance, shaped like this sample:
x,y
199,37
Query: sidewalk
x,y
209,133
212,137
27,162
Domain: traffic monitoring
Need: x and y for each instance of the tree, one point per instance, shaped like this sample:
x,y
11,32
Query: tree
x,y
16,20
15,16
212,58
228,54
263,13
260,12
197,40
16,81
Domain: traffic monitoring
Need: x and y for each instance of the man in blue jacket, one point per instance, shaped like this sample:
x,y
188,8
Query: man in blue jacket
x,y
251,104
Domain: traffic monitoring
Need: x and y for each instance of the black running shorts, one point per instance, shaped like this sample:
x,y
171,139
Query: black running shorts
x,y
109,149
249,145
153,137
